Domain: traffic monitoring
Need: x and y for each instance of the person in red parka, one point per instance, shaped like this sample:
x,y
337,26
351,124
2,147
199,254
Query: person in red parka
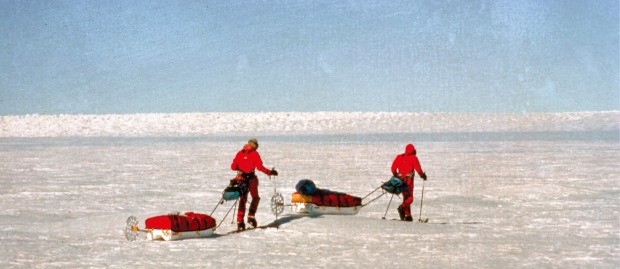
x,y
404,167
245,163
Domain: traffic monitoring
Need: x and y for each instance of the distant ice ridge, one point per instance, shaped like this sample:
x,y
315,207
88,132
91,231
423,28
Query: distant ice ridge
x,y
294,123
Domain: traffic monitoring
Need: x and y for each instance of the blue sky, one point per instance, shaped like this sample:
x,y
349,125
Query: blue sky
x,y
100,57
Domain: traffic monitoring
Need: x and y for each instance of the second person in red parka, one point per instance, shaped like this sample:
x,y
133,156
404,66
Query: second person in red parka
x,y
404,167
245,163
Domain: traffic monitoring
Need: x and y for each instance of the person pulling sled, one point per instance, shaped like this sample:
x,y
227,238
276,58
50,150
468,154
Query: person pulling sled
x,y
404,167
245,163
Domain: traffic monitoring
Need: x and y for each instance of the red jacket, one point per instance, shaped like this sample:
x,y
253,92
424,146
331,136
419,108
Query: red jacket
x,y
404,164
247,160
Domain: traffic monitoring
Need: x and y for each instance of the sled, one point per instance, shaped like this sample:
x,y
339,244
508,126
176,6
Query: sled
x,y
319,205
314,201
171,227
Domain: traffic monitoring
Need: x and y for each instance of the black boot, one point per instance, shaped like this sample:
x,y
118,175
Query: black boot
x,y
401,213
240,226
408,218
252,221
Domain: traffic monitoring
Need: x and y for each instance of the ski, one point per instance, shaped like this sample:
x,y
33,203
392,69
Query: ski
x,y
425,221
394,219
260,227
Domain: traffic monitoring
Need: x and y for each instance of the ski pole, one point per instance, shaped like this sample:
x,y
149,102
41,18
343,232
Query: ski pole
x,y
421,203
232,218
388,207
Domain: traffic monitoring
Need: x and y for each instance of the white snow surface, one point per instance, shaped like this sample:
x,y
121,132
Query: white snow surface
x,y
546,200
302,123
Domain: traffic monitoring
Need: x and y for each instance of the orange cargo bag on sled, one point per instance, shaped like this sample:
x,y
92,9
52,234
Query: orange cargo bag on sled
x,y
300,198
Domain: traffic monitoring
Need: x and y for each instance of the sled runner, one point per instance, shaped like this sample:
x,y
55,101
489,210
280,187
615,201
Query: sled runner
x,y
333,210
174,226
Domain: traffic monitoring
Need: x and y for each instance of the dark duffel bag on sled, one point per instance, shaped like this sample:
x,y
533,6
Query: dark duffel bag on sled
x,y
306,187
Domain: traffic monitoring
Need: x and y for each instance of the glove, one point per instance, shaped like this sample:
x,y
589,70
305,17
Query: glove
x,y
273,172
232,183
423,176
395,174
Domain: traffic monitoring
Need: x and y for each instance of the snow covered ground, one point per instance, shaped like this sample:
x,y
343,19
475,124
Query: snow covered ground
x,y
540,198
299,123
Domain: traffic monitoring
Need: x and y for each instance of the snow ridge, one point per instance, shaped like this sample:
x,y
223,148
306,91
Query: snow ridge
x,y
293,123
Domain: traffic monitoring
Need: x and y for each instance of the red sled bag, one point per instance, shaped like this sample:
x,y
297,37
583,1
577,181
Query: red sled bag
x,y
324,199
350,200
188,221
336,200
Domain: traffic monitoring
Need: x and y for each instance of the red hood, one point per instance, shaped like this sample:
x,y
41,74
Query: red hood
x,y
410,150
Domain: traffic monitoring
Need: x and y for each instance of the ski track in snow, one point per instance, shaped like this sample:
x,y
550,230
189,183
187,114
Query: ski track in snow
x,y
533,203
